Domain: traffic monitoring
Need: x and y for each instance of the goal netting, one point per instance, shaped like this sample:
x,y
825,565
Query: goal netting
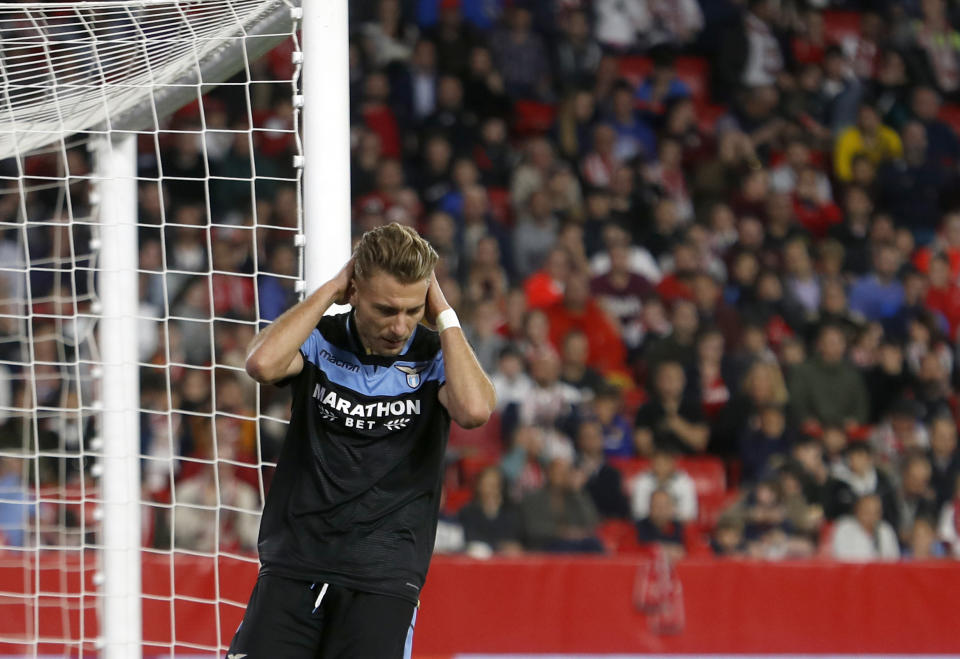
x,y
150,222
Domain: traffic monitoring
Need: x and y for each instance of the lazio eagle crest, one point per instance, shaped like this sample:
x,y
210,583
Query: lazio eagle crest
x,y
412,373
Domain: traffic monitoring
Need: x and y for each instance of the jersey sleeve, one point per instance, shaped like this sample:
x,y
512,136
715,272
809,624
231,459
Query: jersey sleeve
x,y
311,347
437,369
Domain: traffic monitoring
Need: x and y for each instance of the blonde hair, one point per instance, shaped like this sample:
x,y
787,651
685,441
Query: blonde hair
x,y
396,250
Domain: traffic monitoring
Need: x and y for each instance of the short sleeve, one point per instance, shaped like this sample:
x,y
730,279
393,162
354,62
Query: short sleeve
x,y
438,370
311,347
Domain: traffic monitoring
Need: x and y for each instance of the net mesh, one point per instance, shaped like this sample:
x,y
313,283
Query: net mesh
x,y
218,220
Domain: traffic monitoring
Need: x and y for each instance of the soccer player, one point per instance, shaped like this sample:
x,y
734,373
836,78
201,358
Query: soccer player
x,y
349,523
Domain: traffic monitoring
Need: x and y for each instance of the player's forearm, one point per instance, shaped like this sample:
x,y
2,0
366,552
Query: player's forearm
x,y
471,397
275,347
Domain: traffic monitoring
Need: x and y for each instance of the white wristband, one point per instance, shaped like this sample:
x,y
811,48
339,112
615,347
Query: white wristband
x,y
447,319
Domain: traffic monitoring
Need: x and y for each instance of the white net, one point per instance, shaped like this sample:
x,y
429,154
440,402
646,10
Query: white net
x,y
209,91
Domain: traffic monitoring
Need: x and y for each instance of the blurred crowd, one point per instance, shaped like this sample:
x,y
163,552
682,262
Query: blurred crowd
x,y
709,253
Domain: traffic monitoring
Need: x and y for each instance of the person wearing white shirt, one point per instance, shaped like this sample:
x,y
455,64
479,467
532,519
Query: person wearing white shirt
x,y
664,475
865,536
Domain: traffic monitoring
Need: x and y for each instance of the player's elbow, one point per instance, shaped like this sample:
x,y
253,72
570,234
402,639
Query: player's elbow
x,y
474,415
259,369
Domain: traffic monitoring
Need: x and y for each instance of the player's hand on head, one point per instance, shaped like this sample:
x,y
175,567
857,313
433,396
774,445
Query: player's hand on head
x,y
344,282
436,302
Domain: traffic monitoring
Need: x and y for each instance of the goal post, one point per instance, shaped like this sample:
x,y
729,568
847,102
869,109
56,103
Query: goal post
x,y
156,195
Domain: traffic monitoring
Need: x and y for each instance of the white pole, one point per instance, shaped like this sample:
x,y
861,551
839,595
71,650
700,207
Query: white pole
x,y
326,139
116,165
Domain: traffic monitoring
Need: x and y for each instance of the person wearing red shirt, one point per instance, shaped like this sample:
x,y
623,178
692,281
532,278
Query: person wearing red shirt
x,y
544,287
578,311
679,283
816,214
943,295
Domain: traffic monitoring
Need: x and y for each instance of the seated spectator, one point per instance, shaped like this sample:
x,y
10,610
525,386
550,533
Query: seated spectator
x,y
827,390
670,420
681,267
856,477
680,344
888,380
521,56
815,213
660,527
898,434
634,138
598,165
750,53
931,387
922,543
801,284
601,481
853,234
481,332
865,535
606,408
760,387
727,539
880,143
944,456
202,501
510,379
534,235
573,365
664,474
577,54
559,517
879,295
621,293
523,464
910,187
661,86
491,524
550,403
943,293
918,499
578,311
766,440
545,286
943,147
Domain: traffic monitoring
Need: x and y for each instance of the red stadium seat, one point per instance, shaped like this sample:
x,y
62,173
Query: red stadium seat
x,y
695,72
635,69
709,474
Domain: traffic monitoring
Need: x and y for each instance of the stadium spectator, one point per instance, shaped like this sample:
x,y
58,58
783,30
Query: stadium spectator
x,y
944,457
670,421
918,500
869,136
577,54
664,474
491,523
751,55
198,527
574,369
560,517
898,434
578,311
767,440
601,480
827,389
865,535
910,186
510,379
661,528
855,477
